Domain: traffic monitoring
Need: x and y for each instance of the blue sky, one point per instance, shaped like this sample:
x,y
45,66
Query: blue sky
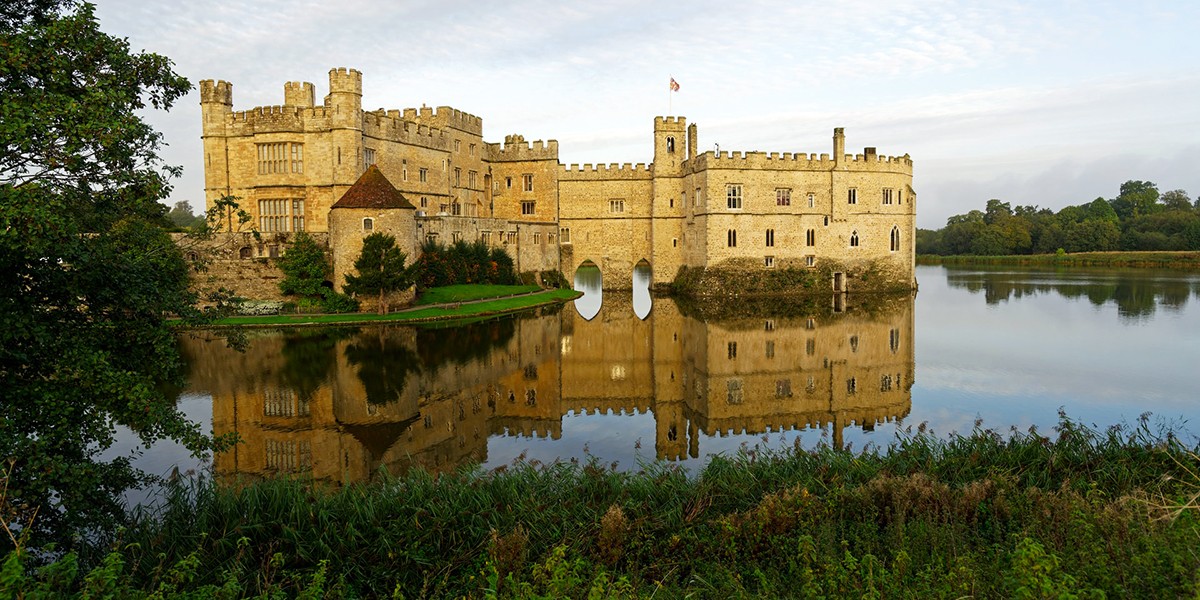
x,y
1045,102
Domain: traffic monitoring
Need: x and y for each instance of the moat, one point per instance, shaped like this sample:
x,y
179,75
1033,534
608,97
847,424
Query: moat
x,y
628,379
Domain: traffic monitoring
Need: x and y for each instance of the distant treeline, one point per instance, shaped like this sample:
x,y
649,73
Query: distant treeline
x,y
1138,219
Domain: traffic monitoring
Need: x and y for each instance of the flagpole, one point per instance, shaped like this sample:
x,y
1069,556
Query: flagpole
x,y
670,97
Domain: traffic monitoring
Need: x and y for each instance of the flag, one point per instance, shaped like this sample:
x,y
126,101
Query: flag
x,y
674,85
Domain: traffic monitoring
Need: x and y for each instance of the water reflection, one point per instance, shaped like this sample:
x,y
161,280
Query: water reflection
x,y
641,290
340,404
588,281
1137,293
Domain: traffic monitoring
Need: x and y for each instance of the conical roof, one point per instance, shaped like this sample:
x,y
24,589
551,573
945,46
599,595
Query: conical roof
x,y
373,190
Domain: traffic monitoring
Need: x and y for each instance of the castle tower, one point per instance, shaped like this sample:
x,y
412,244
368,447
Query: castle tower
x,y
344,104
216,105
299,93
669,142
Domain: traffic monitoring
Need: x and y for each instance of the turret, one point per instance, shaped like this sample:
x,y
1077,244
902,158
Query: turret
x,y
345,97
691,141
669,141
344,106
299,93
216,101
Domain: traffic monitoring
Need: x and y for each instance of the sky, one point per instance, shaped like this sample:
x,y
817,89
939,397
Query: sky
x,y
1047,102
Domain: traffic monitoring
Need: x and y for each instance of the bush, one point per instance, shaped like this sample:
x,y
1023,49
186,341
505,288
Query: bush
x,y
334,302
258,308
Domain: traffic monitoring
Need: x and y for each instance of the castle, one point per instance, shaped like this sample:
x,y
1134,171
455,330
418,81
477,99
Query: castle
x,y
848,216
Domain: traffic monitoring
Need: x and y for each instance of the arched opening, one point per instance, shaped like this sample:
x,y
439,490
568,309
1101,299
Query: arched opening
x,y
588,281
854,239
642,276
895,238
244,252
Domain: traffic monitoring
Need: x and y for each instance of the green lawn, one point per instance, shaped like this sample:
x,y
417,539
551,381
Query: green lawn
x,y
488,307
467,292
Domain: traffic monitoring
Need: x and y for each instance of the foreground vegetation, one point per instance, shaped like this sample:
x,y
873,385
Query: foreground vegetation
x,y
1080,513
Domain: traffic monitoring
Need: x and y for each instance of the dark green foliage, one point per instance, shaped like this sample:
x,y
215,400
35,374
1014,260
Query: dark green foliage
x,y
87,274
305,268
1138,219
462,263
380,269
981,515
181,216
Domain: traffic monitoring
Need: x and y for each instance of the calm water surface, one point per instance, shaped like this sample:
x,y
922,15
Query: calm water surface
x,y
626,379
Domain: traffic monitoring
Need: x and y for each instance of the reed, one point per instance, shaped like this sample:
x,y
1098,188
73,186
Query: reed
x,y
982,514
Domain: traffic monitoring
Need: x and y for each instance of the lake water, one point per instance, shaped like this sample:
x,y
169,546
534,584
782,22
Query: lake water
x,y
625,379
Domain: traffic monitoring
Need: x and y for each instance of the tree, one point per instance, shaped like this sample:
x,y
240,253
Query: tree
x,y
305,268
1176,200
87,275
1137,198
181,216
380,269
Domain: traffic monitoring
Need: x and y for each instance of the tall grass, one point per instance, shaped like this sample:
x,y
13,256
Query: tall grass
x,y
982,514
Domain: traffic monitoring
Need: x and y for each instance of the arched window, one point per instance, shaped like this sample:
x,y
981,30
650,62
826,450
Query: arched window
x,y
895,238
244,252
854,239
368,224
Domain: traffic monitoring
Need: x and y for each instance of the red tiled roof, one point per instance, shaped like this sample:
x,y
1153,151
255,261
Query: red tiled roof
x,y
373,190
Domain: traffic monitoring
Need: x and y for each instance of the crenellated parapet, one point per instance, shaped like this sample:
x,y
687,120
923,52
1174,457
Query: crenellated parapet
x,y
800,161
216,92
515,149
590,172
445,117
392,126
299,93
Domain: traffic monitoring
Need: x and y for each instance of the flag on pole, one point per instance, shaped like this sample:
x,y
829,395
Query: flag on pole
x,y
674,85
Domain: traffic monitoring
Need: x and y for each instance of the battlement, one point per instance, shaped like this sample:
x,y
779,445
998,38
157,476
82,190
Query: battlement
x,y
219,92
801,161
445,117
589,172
515,148
391,125
299,93
345,81
672,123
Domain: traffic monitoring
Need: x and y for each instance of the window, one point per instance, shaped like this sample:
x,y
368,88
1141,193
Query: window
x,y
279,158
733,391
810,237
457,176
527,207
276,215
812,199
810,347
852,196
769,262
527,182
455,236
537,237
456,209
485,237
564,235
810,261
783,197
769,349
783,388
696,198
769,325
510,237
770,238
244,252
895,238
733,196
885,383
851,385
423,175
732,347
369,159
887,195
298,215
616,206
472,150
731,238
368,224
674,242
508,183
471,177
458,145
854,343
854,239
827,221
671,144
424,202
894,340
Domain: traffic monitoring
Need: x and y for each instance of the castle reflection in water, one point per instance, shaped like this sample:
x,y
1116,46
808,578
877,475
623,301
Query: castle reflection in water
x,y
338,404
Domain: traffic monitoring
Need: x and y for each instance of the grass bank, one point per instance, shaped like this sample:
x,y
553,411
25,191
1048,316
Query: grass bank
x,y
475,303
1078,513
1150,260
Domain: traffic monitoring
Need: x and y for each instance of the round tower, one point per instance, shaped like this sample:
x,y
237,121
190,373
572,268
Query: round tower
x,y
344,106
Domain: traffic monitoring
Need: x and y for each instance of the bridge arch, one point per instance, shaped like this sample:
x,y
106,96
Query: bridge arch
x,y
641,279
588,279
